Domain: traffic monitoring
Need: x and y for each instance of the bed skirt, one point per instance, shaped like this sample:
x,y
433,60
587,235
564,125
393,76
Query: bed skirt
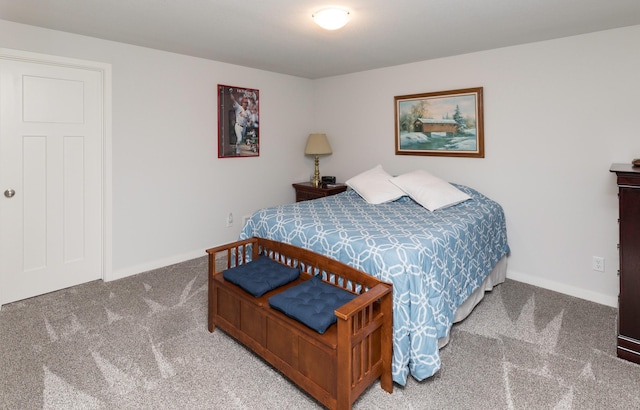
x,y
496,277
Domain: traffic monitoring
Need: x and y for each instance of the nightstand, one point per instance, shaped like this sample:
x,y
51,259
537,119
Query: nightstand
x,y
305,191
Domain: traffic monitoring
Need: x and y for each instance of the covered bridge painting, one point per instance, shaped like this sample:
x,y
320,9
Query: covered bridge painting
x,y
429,125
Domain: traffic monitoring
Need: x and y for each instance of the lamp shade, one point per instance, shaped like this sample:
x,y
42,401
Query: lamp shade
x,y
317,144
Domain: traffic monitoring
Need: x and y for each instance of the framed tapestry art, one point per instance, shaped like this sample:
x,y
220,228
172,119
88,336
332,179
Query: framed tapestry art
x,y
238,122
444,123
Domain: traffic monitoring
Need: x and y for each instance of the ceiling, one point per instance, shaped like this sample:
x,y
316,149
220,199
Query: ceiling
x,y
280,36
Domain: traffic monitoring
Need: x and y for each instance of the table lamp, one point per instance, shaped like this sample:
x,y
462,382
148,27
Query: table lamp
x,y
317,144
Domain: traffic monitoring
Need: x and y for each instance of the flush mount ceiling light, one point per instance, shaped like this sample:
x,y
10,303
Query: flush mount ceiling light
x,y
331,18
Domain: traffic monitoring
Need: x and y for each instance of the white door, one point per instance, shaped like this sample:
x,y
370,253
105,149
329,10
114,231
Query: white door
x,y
51,137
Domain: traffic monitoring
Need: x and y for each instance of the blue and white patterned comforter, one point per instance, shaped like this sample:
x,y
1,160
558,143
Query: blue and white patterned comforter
x,y
434,260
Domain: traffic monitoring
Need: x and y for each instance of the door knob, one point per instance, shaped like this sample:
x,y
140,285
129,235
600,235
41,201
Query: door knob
x,y
9,193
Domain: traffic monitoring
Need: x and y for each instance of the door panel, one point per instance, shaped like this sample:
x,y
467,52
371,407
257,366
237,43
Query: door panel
x,y
51,139
34,207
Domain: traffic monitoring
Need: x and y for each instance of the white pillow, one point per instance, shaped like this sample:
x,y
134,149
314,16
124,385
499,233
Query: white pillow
x,y
374,186
429,191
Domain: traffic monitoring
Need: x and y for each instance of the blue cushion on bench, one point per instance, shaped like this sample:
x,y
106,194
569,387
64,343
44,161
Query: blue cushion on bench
x,y
261,275
312,303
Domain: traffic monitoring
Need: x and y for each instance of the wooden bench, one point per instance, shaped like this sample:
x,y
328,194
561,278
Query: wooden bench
x,y
334,367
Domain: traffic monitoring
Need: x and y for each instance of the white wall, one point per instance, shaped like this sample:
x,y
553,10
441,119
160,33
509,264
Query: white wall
x,y
557,114
171,192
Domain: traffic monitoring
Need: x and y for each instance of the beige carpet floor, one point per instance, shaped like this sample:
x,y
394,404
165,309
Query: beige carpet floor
x,y
142,343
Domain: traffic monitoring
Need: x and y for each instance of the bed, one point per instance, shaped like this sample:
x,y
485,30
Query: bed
x,y
440,263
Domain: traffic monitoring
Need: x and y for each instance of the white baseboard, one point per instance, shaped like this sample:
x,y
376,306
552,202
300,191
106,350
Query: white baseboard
x,y
144,267
517,276
562,288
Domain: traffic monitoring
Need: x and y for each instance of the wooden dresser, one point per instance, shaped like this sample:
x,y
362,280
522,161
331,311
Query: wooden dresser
x,y
628,178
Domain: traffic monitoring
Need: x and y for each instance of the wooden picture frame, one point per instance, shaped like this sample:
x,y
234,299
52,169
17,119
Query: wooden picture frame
x,y
444,123
238,122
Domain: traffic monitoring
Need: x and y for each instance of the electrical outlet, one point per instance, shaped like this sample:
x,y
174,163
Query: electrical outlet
x,y
230,219
598,263
245,219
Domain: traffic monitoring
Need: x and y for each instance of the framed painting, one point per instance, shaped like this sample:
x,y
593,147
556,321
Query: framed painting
x,y
238,122
444,123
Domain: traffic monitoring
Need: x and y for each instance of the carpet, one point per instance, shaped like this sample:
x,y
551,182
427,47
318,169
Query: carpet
x,y
142,343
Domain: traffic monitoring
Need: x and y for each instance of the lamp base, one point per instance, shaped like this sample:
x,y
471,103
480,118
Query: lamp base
x,y
315,181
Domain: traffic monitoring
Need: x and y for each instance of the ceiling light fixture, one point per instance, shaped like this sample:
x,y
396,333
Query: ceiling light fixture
x,y
331,18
